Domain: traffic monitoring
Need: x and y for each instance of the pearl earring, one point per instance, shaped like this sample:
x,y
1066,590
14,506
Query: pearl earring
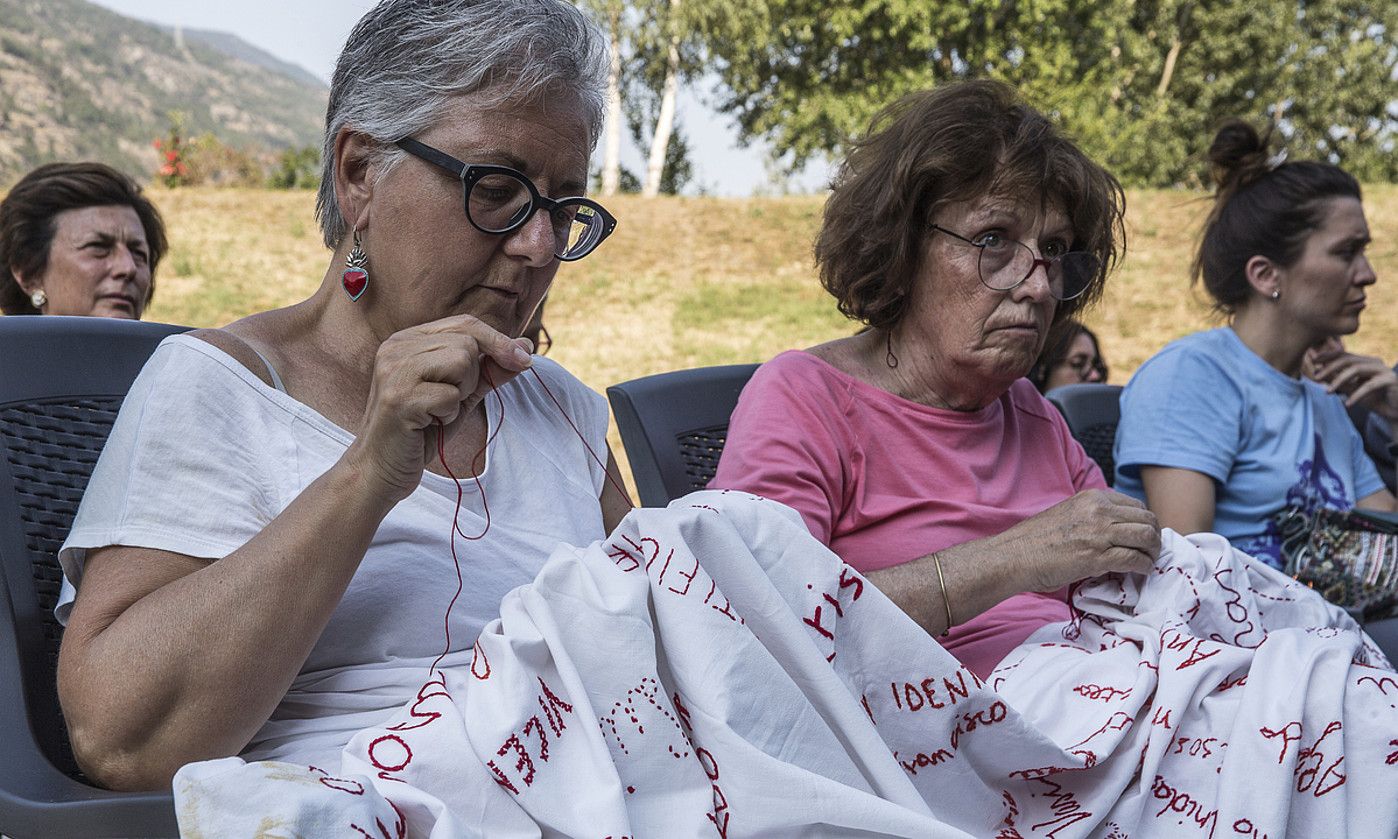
x,y
38,298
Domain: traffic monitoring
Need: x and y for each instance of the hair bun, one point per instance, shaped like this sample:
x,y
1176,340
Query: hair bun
x,y
1239,155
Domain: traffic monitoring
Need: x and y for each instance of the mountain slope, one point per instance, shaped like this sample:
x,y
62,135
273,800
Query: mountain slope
x,y
234,47
80,82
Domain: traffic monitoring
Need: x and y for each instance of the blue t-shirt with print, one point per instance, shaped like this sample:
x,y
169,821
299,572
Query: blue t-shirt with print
x,y
1208,403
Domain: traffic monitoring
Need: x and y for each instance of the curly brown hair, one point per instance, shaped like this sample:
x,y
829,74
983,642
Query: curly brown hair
x,y
953,143
28,213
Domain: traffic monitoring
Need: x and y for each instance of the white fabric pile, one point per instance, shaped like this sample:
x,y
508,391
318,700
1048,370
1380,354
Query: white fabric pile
x,y
765,689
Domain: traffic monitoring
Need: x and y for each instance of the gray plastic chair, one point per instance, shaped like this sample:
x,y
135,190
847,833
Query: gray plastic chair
x,y
1092,411
63,383
673,427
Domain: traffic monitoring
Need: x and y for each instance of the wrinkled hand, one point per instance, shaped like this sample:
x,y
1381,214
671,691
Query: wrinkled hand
x,y
435,372
1361,379
1094,532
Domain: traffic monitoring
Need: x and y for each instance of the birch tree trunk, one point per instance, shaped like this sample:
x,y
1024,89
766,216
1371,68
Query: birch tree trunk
x,y
1176,44
1169,72
665,122
611,148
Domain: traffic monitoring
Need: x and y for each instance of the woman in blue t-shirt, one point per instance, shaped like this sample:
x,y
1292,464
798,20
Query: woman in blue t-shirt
x,y
1220,431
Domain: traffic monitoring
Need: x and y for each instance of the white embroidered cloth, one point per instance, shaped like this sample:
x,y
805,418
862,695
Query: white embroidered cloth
x,y
712,670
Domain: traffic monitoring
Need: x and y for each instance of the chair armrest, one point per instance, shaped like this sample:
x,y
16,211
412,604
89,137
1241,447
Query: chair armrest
x,y
38,800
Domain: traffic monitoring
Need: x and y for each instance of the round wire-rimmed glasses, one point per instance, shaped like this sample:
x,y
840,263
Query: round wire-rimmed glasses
x,y
501,200
1005,263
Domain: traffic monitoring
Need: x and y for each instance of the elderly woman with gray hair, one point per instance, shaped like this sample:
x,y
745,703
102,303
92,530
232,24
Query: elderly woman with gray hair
x,y
262,561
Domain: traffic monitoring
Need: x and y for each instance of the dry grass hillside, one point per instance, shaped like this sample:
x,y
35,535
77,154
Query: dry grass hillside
x,y
697,281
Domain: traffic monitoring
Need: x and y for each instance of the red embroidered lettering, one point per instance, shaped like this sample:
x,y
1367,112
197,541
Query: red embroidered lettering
x,y
1098,692
959,687
397,750
554,708
727,605
660,578
478,663
654,551
346,785
1181,803
543,741
617,555
924,760
1309,762
500,777
816,625
930,692
1066,809
1290,733
524,763
688,578
849,578
433,688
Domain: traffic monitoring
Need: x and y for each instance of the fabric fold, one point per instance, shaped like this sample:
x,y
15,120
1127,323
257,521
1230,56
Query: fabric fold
x,y
711,669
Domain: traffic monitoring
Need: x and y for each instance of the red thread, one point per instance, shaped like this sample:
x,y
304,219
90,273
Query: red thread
x,y
485,506
455,522
343,785
385,766
1184,805
478,656
431,689
571,424
1066,809
1101,692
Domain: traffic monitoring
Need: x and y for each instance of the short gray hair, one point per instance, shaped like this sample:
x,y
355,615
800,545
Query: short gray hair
x,y
406,59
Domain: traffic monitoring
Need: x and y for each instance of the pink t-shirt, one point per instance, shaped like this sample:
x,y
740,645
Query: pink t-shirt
x,y
883,480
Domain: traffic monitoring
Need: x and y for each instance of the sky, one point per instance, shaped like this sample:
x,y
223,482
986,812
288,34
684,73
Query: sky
x,y
310,33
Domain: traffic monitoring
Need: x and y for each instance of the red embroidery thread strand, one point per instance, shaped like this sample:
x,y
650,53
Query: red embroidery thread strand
x,y
456,514
485,506
595,458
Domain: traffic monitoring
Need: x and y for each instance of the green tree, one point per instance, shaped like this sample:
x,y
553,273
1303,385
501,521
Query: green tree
x,y
658,47
296,168
1340,95
1141,83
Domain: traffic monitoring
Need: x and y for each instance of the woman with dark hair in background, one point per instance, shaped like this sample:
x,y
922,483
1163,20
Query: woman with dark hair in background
x,y
78,239
1220,430
1071,357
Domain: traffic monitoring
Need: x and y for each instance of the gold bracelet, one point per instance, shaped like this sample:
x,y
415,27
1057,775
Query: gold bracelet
x,y
946,601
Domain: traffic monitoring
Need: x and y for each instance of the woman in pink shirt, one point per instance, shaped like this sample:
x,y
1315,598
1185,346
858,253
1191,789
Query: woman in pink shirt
x,y
959,231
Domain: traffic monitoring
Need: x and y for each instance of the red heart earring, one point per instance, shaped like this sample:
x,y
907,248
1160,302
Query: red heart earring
x,y
356,276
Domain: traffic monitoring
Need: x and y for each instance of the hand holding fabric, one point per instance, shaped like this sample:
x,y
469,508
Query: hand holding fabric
x,y
1092,533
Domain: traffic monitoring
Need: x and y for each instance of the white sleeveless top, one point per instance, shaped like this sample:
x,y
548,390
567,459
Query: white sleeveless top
x,y
204,455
